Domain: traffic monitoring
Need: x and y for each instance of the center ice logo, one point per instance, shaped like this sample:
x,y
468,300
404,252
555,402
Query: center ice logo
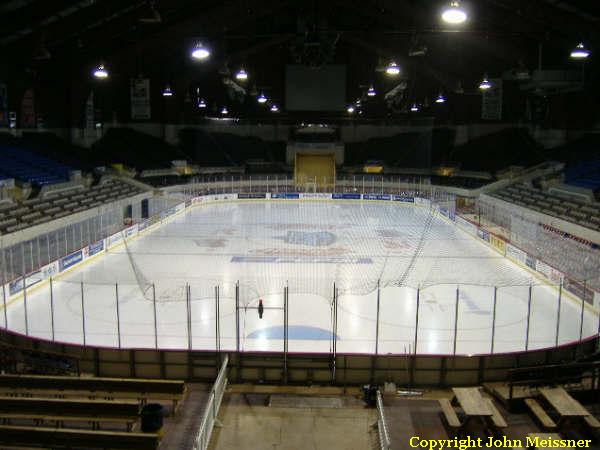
x,y
310,238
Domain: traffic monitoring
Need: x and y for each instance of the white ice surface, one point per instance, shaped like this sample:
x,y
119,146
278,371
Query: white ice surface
x,y
309,246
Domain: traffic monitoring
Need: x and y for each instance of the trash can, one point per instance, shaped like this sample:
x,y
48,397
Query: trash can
x,y
152,417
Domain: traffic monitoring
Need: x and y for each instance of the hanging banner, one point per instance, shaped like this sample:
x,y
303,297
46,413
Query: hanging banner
x,y
28,109
3,105
491,101
140,99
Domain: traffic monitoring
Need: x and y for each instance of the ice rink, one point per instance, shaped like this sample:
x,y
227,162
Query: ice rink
x,y
310,247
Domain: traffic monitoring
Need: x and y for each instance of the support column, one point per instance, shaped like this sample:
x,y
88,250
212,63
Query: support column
x,y
83,314
52,308
155,318
118,314
494,320
528,319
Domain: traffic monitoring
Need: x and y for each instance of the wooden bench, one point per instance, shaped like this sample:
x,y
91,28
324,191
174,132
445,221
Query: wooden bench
x,y
59,420
496,418
541,415
591,422
69,438
449,413
142,389
61,393
75,407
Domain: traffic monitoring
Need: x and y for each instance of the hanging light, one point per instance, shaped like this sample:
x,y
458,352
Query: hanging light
x,y
454,14
414,107
392,69
350,109
371,92
200,52
100,72
201,103
261,98
485,83
241,75
151,15
167,92
580,52
224,111
357,102
440,98
274,108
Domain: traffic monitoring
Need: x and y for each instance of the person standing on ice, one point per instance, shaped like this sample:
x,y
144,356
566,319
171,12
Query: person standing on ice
x,y
261,308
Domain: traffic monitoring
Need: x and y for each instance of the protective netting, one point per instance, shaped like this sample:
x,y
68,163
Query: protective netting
x,y
311,245
143,283
401,270
578,259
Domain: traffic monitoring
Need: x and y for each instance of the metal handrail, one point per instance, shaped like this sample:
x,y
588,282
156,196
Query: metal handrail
x,y
384,437
209,418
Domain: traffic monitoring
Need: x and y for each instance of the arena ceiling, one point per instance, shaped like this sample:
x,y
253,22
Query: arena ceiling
x,y
69,37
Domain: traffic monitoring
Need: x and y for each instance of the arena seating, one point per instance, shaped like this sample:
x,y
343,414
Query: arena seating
x,y
15,216
223,149
15,359
36,410
582,213
121,145
26,166
584,174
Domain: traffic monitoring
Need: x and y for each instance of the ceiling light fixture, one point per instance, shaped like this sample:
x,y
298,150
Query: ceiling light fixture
x,y
224,111
167,92
454,14
440,98
200,52
100,72
392,69
485,83
262,99
241,75
350,109
201,103
371,92
274,108
414,107
151,16
580,52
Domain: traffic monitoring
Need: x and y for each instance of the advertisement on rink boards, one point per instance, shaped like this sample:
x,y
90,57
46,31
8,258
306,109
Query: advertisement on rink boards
x,y
498,244
579,289
386,197
515,254
94,249
347,196
483,235
530,262
315,195
549,272
70,260
285,196
251,196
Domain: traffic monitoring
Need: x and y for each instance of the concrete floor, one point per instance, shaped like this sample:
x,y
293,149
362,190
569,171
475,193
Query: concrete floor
x,y
249,423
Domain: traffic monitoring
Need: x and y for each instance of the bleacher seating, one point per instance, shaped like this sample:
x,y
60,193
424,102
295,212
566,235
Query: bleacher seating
x,y
82,411
584,174
580,212
26,166
16,216
223,149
